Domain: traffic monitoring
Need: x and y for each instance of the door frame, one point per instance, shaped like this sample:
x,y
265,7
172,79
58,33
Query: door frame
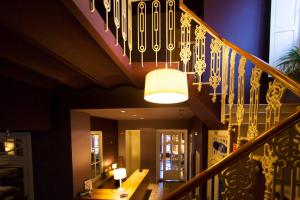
x,y
158,142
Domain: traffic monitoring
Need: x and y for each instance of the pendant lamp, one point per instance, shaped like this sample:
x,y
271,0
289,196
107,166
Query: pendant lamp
x,y
166,86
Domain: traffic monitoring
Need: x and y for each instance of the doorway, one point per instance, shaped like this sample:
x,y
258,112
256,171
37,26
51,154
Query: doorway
x,y
133,150
173,155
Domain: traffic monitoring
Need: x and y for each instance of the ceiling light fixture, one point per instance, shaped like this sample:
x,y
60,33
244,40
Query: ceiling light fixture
x,y
166,86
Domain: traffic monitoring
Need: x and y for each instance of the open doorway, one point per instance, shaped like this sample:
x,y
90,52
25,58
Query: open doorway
x,y
173,155
133,150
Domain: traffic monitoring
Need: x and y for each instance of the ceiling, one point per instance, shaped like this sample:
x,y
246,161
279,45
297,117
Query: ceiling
x,y
142,113
62,44
49,41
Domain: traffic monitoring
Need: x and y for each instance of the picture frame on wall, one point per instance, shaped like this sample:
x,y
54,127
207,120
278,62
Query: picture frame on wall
x,y
219,142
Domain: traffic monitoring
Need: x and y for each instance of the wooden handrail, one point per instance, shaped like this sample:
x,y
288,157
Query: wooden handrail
x,y
285,80
243,151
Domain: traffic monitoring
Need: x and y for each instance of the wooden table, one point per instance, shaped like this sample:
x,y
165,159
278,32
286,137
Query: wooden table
x,y
135,187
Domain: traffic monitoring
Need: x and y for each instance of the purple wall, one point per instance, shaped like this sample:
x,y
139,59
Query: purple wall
x,y
199,137
244,23
23,107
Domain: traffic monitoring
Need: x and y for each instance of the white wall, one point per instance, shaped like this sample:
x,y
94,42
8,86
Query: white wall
x,y
285,28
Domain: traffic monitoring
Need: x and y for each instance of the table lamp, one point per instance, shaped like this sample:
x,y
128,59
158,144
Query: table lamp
x,y
119,174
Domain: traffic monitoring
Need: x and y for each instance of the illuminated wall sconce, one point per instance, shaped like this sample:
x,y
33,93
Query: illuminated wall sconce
x,y
114,166
9,147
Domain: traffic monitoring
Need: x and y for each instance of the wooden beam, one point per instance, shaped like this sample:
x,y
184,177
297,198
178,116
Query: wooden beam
x,y
24,74
52,29
20,52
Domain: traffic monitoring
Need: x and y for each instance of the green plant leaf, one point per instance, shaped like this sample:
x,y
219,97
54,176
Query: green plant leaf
x,y
290,63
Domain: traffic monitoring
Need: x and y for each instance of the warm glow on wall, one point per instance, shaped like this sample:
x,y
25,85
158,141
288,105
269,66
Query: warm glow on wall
x,y
166,86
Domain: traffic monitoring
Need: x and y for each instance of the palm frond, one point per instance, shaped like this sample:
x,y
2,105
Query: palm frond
x,y
290,63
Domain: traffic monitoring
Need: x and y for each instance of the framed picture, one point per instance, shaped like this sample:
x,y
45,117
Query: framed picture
x,y
218,148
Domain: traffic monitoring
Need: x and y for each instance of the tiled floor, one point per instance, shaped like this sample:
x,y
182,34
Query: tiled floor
x,y
162,188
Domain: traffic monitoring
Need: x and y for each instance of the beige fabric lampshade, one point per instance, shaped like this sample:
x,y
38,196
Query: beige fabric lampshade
x,y
166,86
120,173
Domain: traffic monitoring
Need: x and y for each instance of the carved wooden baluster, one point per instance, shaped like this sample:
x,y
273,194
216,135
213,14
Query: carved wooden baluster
x,y
185,45
273,97
231,88
107,6
129,29
240,179
282,158
254,103
240,98
92,5
170,26
124,25
117,19
225,58
215,66
156,28
142,32
200,64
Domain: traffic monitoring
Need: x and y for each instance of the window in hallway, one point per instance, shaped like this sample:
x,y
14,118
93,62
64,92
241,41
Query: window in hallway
x,y
96,153
16,175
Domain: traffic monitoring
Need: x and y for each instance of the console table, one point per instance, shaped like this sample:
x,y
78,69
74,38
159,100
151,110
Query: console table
x,y
135,187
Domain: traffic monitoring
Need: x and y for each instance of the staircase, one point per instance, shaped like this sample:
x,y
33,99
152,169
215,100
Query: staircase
x,y
266,162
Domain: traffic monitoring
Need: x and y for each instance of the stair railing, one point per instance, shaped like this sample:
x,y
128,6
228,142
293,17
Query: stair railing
x,y
243,151
223,55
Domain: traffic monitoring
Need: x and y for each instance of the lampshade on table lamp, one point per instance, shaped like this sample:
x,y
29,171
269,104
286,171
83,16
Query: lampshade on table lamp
x,y
119,174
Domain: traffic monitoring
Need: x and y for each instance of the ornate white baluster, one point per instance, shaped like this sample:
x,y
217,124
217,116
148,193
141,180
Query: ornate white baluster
x,y
200,64
107,6
124,25
170,26
231,88
185,49
240,99
225,58
215,66
142,30
254,103
156,28
129,30
117,19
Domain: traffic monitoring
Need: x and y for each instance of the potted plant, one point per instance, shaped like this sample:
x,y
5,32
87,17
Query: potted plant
x,y
290,63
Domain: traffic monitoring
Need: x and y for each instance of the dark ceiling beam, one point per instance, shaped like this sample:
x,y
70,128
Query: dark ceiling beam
x,y
95,25
25,75
97,98
18,51
51,27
